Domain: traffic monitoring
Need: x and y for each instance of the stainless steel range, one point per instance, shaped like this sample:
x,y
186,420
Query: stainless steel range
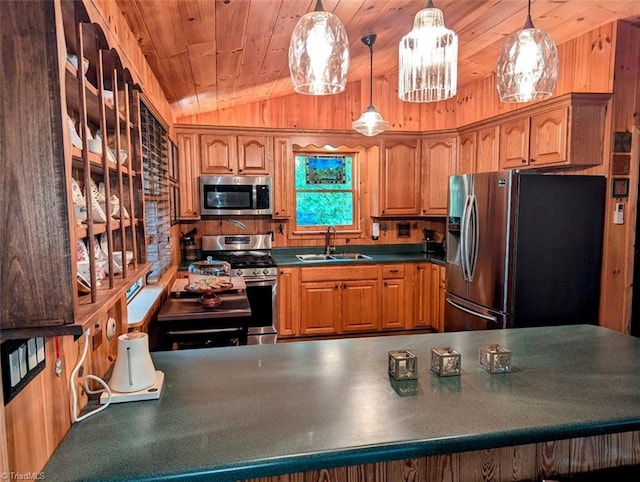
x,y
250,257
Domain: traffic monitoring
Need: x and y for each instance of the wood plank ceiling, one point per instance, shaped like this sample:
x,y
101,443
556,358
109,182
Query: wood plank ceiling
x,y
215,54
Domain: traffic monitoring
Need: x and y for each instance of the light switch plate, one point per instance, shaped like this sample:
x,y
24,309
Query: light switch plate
x,y
20,362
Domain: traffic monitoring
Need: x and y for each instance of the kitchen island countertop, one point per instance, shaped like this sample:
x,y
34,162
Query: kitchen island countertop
x,y
241,412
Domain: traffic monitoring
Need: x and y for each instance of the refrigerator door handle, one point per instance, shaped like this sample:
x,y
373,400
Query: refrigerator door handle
x,y
471,312
464,239
474,229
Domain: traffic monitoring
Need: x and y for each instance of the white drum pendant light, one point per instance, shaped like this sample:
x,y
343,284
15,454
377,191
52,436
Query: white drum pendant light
x,y
319,54
370,122
428,59
528,65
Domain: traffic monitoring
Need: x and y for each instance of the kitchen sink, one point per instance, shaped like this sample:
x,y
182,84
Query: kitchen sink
x,y
332,257
313,257
350,256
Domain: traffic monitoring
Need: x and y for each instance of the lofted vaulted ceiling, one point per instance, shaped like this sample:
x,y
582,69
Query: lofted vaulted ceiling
x,y
216,54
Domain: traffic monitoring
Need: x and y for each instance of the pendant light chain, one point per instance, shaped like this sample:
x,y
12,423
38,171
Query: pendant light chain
x,y
370,123
369,43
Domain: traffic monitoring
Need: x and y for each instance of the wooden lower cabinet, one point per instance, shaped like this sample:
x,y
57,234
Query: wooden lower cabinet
x,y
319,307
330,300
360,305
421,294
288,308
395,304
428,296
339,299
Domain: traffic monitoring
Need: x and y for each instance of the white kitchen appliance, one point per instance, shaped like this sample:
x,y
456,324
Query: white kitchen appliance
x,y
134,376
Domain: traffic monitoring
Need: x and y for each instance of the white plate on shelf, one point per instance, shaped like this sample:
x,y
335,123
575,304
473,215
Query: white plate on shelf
x,y
84,287
82,253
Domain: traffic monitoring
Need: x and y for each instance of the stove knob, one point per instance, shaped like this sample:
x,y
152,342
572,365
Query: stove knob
x,y
256,272
239,272
265,271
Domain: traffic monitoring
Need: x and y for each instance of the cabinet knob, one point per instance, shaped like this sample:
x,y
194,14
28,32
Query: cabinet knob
x,y
524,161
394,271
532,160
336,287
239,170
385,283
230,170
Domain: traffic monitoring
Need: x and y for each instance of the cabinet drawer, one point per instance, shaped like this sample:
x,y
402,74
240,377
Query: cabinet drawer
x,y
344,273
392,271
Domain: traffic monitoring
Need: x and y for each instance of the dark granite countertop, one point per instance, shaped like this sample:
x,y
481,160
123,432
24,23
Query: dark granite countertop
x,y
240,412
384,253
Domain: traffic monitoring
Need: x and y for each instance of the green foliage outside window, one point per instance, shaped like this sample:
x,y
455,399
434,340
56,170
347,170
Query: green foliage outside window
x,y
324,190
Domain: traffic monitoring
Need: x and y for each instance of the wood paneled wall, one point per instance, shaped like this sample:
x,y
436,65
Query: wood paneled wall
x,y
107,14
518,463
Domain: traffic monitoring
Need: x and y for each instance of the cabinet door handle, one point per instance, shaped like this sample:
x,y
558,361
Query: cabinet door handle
x,y
385,283
394,271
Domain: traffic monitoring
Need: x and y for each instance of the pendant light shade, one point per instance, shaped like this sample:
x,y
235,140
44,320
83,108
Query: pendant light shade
x,y
428,59
319,54
370,122
528,65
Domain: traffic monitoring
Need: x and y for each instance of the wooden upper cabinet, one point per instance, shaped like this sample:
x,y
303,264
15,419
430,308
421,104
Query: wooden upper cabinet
x,y
235,155
282,178
569,130
514,143
487,152
399,178
218,154
467,142
534,141
548,137
255,155
438,163
188,176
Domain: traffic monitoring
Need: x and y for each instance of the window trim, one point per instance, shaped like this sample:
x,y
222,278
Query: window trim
x,y
316,231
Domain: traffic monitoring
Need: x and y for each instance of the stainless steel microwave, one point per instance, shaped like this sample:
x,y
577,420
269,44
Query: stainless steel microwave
x,y
235,195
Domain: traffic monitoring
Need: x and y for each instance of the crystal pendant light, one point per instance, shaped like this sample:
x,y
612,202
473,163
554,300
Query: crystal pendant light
x,y
528,65
428,59
370,122
319,54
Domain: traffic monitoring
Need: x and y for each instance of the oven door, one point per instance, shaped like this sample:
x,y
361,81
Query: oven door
x,y
262,295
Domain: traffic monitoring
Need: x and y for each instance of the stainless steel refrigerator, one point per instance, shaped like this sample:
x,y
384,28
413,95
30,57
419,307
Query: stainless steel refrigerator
x,y
523,250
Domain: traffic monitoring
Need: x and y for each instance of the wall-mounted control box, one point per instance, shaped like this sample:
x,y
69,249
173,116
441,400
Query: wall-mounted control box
x,y
618,214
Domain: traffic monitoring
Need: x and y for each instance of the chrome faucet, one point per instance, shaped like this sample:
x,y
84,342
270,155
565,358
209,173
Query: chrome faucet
x,y
330,248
